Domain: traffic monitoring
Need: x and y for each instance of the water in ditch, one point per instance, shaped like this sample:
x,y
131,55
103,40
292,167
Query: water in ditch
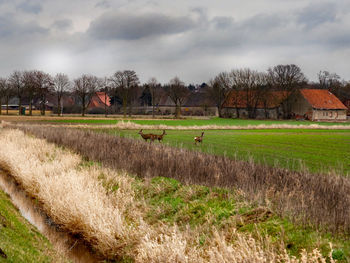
x,y
73,248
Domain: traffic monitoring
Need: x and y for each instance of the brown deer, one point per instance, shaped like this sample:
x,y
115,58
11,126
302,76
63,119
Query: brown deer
x,y
198,139
147,136
160,137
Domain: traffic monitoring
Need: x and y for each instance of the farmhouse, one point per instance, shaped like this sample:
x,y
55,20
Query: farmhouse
x,y
99,101
252,104
197,103
317,104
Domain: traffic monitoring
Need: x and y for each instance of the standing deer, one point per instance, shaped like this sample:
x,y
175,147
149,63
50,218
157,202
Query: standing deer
x,y
147,136
198,139
160,137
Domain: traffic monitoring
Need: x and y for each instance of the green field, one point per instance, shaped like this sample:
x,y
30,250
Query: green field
x,y
194,122
318,150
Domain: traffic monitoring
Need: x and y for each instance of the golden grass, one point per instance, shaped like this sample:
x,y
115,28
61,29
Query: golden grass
x,y
112,221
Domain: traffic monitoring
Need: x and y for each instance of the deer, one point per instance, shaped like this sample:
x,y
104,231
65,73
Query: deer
x,y
198,139
160,137
147,136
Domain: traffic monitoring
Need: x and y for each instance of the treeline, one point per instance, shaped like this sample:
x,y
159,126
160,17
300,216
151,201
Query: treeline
x,y
125,90
259,87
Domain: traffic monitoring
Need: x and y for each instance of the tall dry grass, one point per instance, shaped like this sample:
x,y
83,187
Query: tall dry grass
x,y
318,199
74,198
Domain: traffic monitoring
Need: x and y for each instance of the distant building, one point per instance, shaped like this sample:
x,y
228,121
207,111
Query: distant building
x,y
242,104
99,100
318,105
197,103
347,104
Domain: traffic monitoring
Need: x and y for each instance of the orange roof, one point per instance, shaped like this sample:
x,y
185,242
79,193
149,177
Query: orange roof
x,y
101,95
99,99
322,99
239,99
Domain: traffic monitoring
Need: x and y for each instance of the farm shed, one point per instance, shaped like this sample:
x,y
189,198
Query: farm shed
x,y
243,104
318,104
197,103
99,100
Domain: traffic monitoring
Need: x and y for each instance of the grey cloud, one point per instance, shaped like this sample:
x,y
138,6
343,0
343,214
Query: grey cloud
x,y
10,27
317,14
223,22
31,6
132,27
103,4
62,24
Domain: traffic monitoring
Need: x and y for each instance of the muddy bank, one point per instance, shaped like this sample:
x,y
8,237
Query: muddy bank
x,y
73,248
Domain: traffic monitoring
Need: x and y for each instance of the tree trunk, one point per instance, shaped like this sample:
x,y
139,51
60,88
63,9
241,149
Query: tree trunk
x,y
124,106
30,107
19,105
177,111
7,105
58,106
130,109
153,103
83,106
220,111
106,104
0,106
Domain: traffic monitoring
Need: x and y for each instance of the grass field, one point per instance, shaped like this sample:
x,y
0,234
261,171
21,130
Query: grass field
x,y
194,122
318,150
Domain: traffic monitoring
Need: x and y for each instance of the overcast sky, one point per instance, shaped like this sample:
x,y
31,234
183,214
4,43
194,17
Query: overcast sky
x,y
192,39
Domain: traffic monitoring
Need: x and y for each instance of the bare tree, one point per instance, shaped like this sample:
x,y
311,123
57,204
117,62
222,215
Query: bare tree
x,y
177,92
250,82
286,78
30,87
332,82
44,85
16,81
6,92
3,85
85,87
156,92
219,88
328,80
124,83
61,85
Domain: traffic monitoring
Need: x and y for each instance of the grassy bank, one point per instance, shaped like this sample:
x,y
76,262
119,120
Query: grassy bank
x,y
154,219
295,149
19,240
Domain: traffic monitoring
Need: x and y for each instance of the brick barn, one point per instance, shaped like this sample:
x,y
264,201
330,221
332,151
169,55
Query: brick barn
x,y
318,105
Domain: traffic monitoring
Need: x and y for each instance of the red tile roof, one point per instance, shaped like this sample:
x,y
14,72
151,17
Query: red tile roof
x,y
98,100
239,99
322,99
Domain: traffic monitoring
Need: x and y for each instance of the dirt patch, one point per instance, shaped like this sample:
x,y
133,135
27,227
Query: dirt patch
x,y
2,254
3,221
257,215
